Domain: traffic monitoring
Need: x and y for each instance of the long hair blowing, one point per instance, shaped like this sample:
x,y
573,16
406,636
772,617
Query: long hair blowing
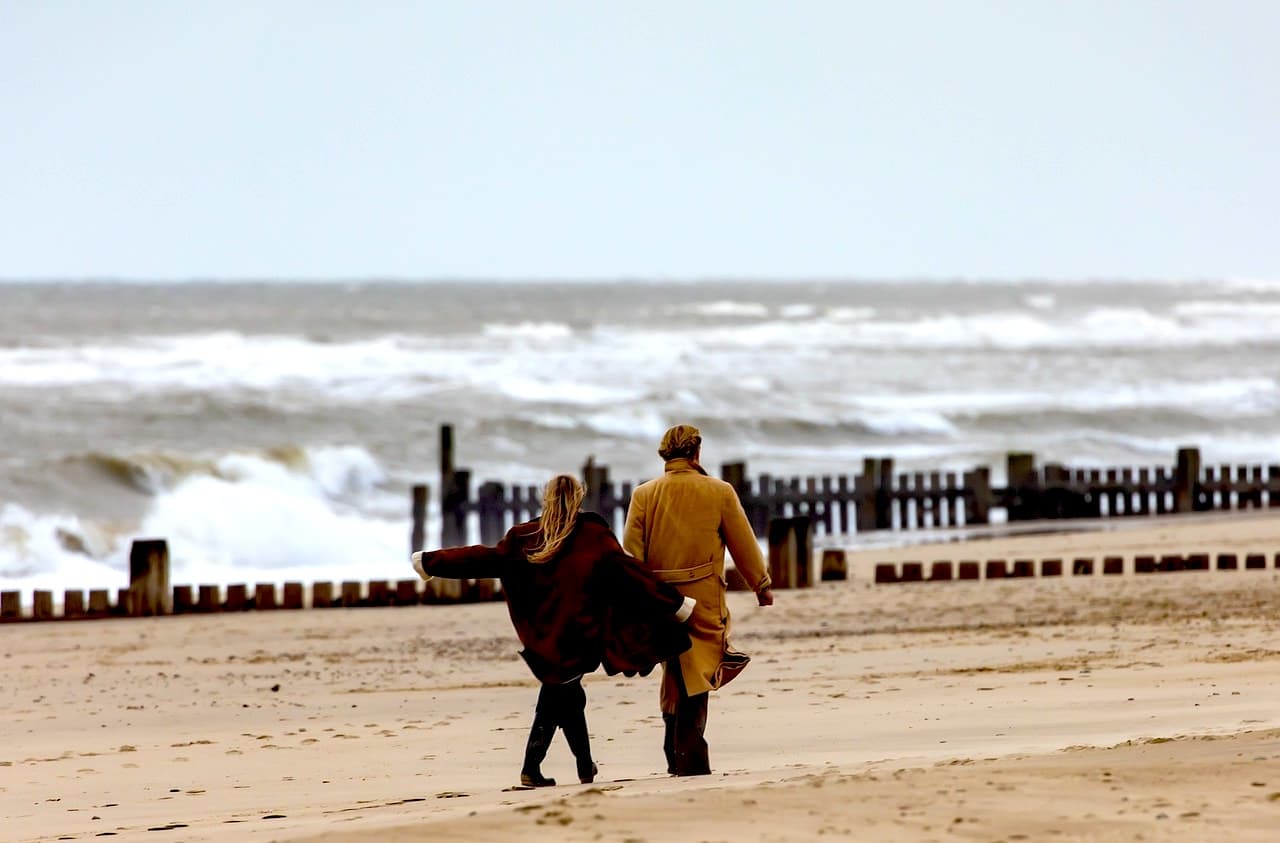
x,y
561,503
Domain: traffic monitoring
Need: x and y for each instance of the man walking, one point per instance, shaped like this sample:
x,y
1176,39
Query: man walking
x,y
679,525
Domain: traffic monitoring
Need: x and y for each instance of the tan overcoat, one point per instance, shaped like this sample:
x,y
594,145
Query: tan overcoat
x,y
679,525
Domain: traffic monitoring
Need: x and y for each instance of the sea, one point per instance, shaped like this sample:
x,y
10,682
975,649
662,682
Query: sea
x,y
272,431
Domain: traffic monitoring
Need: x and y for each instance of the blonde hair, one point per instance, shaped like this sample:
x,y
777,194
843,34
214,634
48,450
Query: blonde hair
x,y
561,503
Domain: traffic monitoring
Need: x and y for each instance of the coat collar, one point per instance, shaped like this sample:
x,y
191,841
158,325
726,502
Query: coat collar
x,y
682,464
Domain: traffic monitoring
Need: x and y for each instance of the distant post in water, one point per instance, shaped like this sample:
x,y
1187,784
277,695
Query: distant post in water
x,y
1186,476
418,511
149,578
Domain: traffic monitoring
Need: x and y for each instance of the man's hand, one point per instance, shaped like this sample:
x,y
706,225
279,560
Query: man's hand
x,y
765,597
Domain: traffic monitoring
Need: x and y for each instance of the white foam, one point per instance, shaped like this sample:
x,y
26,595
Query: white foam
x,y
753,310
528,330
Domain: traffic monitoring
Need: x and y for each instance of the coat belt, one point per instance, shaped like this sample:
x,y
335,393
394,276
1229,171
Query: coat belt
x,y
697,572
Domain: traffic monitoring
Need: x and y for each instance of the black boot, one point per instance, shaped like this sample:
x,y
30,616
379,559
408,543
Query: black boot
x,y
669,741
691,755
540,735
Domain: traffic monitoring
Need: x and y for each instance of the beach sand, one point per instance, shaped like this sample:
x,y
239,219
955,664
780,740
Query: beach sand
x,y
1079,708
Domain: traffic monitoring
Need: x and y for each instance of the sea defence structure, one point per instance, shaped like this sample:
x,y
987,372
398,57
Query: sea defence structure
x,y
787,512
879,498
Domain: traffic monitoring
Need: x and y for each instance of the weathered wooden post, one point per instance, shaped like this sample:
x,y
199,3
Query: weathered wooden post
x,y
977,503
835,566
293,592
418,511
491,502
42,604
208,599
183,601
237,597
73,603
1186,477
322,595
864,500
1273,485
149,578
99,602
884,493
595,479
782,553
10,605
802,531
454,490
1024,492
264,596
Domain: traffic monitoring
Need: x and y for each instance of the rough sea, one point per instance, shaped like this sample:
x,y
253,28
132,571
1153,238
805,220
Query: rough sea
x,y
272,431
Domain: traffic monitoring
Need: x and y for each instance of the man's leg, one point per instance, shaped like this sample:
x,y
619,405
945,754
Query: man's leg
x,y
690,756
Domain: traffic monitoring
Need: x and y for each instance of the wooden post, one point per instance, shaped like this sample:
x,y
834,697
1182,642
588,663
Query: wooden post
x,y
884,493
183,601
237,597
10,605
73,603
418,511
99,602
782,553
322,595
1024,494
293,595
42,605
596,479
351,594
379,593
149,577
453,513
491,500
977,501
864,497
210,598
1273,486
264,596
940,572
834,565
125,602
407,593
968,569
1186,477
802,531
1112,566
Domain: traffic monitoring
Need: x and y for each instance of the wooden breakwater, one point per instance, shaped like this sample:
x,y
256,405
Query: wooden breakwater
x,y
1000,569
879,498
150,595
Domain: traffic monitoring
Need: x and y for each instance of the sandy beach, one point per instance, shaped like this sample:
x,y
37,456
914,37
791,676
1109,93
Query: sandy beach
x,y
1080,708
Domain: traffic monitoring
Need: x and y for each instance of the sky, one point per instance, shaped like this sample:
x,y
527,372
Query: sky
x,y
657,140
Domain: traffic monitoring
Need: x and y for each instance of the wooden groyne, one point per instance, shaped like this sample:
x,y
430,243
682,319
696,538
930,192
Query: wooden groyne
x,y
880,498
149,593
1088,566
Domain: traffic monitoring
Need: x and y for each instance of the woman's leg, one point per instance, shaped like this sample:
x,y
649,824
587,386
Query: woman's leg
x,y
573,720
540,735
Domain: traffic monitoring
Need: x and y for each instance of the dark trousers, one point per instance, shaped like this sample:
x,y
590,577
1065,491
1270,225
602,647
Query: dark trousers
x,y
561,706
683,742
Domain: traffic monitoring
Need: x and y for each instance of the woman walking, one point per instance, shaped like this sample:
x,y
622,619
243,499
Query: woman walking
x,y
577,601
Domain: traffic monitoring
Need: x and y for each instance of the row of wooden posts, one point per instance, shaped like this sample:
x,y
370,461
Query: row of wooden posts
x,y
149,593
996,569
877,498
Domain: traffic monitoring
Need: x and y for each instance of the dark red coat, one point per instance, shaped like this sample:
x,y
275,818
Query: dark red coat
x,y
591,605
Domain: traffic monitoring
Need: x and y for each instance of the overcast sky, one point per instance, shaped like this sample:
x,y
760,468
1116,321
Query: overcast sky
x,y
657,140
